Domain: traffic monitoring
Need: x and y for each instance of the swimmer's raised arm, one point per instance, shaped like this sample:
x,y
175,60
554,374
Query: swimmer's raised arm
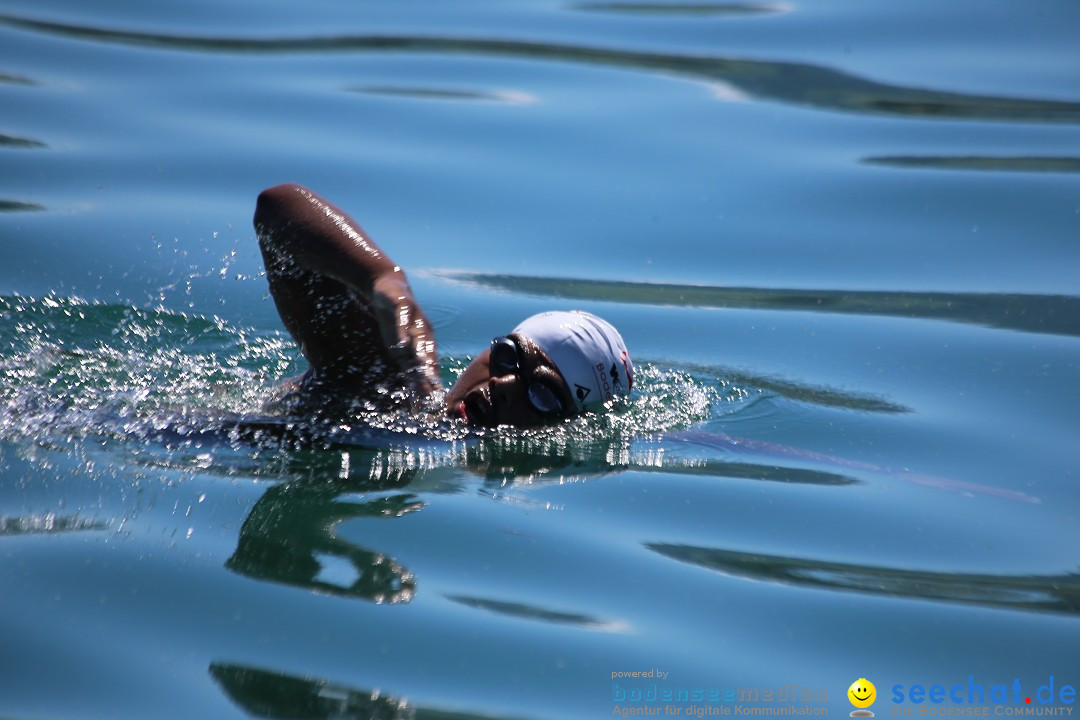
x,y
345,302
351,310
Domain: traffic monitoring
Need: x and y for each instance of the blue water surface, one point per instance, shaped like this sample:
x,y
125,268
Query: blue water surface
x,y
840,239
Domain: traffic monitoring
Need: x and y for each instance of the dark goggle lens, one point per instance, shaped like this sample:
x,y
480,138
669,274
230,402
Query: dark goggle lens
x,y
504,357
504,360
543,399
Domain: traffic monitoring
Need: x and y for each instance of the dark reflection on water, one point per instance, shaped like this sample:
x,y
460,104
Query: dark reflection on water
x,y
10,79
450,94
18,206
288,537
1050,314
1027,163
752,471
786,455
823,396
270,694
12,141
262,693
530,612
699,9
1059,593
797,83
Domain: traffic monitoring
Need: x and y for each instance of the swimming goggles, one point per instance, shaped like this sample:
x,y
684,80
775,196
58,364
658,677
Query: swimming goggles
x,y
505,359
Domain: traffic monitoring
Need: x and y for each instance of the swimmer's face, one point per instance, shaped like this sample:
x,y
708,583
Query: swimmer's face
x,y
492,394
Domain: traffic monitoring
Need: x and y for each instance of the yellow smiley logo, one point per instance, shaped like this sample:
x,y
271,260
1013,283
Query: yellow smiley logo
x,y
862,693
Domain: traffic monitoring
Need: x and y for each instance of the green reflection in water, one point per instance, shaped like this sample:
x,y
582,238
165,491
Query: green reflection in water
x,y
800,84
1028,163
532,612
689,9
1059,593
820,395
449,94
288,537
784,456
12,141
1051,314
17,206
271,694
749,471
267,694
9,79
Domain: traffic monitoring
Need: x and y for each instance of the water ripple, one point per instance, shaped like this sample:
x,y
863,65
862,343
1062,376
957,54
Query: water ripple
x,y
685,9
289,538
10,79
19,206
1059,593
1049,314
992,163
13,141
532,612
508,97
801,84
264,693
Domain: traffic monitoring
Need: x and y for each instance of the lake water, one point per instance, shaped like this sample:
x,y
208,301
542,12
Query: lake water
x,y
842,240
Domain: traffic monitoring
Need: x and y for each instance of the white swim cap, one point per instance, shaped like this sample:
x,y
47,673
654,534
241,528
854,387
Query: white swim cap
x,y
588,352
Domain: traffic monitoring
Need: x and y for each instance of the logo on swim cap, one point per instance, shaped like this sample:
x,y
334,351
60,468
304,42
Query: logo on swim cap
x,y
588,352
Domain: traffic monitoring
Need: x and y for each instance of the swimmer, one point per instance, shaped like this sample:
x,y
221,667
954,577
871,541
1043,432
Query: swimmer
x,y
352,313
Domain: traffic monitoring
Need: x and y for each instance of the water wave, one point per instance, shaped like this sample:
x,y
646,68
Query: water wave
x,y
1050,314
19,206
702,9
12,141
11,79
988,163
801,84
267,693
69,367
1058,593
506,97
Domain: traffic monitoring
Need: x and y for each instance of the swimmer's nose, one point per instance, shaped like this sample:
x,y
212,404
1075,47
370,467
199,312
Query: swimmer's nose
x,y
507,399
500,388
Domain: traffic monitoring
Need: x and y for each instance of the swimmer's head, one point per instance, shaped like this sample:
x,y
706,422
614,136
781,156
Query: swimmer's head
x,y
587,351
553,365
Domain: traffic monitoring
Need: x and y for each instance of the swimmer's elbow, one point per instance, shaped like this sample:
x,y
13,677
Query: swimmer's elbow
x,y
276,204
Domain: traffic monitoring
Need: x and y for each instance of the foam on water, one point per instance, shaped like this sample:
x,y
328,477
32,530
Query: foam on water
x,y
71,368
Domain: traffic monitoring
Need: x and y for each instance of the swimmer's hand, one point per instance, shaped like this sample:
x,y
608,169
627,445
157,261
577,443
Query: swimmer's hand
x,y
406,331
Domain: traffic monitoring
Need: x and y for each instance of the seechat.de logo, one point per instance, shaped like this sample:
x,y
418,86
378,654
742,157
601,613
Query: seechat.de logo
x,y
862,695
